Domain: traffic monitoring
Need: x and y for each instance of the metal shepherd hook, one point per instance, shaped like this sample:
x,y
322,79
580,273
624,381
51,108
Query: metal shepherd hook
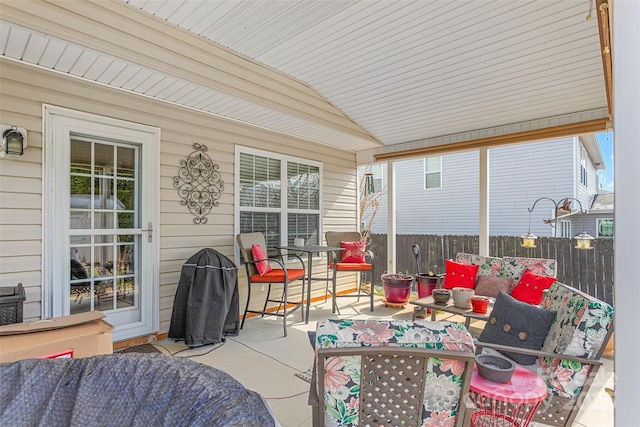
x,y
416,253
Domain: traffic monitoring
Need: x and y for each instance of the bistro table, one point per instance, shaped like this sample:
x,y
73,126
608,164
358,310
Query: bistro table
x,y
310,250
449,307
513,403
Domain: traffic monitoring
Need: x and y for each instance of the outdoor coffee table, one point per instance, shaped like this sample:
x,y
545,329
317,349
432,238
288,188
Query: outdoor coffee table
x,y
513,403
428,302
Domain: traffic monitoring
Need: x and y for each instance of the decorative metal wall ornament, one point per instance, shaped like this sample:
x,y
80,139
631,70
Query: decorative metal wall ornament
x,y
199,184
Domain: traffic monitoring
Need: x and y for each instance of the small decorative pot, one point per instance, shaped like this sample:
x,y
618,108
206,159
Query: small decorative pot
x,y
462,297
495,368
397,287
480,304
441,296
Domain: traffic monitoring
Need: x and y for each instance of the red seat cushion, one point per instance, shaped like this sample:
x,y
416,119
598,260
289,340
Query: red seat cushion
x,y
460,275
276,275
353,251
351,266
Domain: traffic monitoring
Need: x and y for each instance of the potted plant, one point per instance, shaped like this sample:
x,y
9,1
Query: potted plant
x,y
397,287
426,283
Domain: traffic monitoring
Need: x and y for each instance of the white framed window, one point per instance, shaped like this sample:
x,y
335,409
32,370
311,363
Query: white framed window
x,y
278,195
378,178
565,228
433,172
584,178
605,227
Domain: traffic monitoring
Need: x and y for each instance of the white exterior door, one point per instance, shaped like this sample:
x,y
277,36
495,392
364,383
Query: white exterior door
x,y
101,227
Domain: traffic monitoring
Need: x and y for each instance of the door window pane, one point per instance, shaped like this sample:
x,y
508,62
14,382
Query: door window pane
x,y
103,265
125,220
104,159
125,194
103,220
126,162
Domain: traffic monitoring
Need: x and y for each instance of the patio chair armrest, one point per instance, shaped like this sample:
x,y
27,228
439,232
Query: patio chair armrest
x,y
333,258
281,261
539,353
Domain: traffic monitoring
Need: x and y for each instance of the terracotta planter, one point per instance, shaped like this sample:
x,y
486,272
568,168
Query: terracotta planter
x,y
480,304
426,284
397,287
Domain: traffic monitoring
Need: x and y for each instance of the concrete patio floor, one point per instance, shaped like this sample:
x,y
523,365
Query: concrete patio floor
x,y
263,360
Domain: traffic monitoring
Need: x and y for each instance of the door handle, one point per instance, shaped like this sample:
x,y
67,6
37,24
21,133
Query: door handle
x,y
149,231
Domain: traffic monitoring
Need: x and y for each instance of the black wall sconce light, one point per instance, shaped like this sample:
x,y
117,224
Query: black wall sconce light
x,y
14,141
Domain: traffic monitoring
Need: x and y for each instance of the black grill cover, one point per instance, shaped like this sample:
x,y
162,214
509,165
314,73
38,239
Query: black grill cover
x,y
205,308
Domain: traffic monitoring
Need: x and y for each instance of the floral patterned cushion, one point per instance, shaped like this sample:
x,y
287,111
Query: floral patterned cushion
x,y
579,329
489,266
581,324
342,377
515,267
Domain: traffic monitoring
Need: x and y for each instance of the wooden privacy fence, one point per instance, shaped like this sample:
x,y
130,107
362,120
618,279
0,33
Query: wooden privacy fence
x,y
590,271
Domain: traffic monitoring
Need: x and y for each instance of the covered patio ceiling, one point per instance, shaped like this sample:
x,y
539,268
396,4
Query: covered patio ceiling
x,y
381,78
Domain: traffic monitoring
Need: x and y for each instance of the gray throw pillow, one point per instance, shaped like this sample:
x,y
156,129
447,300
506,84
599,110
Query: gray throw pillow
x,y
517,324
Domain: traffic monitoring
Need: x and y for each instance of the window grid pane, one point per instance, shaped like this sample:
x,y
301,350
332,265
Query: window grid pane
x,y
303,186
259,181
264,222
305,226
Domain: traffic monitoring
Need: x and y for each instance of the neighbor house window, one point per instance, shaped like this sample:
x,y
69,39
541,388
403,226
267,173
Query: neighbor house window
x,y
565,228
278,196
605,228
433,172
583,167
378,178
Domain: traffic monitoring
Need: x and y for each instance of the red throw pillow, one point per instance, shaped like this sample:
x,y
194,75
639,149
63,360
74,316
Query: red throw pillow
x,y
529,288
353,251
258,252
460,275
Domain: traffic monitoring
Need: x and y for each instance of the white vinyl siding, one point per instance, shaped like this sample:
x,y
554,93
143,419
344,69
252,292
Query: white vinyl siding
x,y
24,89
519,174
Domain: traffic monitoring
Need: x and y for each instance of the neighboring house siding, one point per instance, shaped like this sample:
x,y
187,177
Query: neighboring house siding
x,y
24,89
519,175
591,223
585,193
